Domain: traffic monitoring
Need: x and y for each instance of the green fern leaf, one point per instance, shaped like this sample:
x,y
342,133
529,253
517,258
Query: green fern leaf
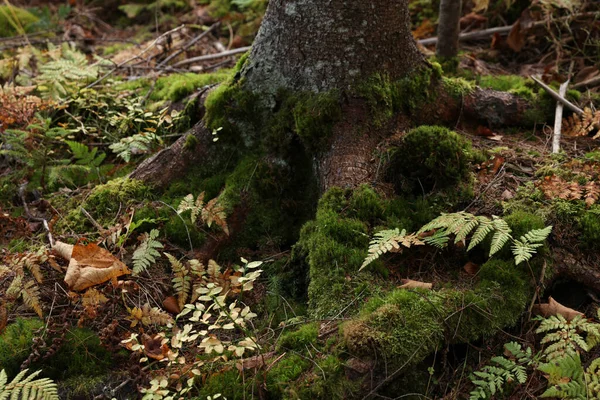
x,y
146,253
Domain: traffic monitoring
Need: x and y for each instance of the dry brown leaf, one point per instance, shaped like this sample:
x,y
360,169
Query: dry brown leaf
x,y
553,307
93,298
154,346
254,362
410,284
171,305
92,265
471,268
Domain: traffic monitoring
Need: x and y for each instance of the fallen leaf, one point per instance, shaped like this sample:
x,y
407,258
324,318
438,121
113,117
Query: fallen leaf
x,y
254,362
154,346
410,284
471,268
553,307
171,305
89,265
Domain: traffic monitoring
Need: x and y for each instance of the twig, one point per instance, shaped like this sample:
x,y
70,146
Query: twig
x,y
92,220
590,82
558,118
557,96
189,44
151,45
537,289
502,29
212,56
472,35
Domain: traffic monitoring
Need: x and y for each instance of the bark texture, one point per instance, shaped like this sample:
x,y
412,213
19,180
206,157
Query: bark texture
x,y
448,28
320,45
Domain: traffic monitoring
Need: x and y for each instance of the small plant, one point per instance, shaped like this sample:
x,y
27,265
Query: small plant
x,y
146,253
209,213
26,387
460,225
505,370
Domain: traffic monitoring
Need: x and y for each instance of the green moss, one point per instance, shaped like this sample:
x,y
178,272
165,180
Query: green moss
x,y
509,83
314,117
81,354
82,387
432,156
16,342
298,339
191,141
286,371
385,97
590,227
457,87
108,199
15,20
176,87
408,325
229,383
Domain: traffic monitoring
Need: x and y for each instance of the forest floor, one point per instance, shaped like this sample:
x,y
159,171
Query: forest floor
x,y
115,290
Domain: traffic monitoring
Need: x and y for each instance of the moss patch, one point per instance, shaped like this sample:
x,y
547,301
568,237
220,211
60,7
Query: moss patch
x,y
432,157
298,339
16,342
15,20
410,324
333,246
176,87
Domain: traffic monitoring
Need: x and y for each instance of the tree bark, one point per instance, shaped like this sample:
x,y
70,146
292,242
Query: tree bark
x,y
320,45
448,28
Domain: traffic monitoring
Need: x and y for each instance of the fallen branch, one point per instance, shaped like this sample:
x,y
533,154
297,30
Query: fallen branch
x,y
472,35
212,56
558,97
189,44
558,118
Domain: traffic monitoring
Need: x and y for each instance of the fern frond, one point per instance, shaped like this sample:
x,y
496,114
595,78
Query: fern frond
x,y
485,227
31,297
389,240
501,235
181,281
145,255
214,212
28,388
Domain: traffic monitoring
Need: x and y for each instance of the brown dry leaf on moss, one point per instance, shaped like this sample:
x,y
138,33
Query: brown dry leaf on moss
x,y
89,265
154,346
410,284
471,268
553,307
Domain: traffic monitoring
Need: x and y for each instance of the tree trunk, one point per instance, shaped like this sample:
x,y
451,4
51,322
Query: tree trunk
x,y
448,28
320,45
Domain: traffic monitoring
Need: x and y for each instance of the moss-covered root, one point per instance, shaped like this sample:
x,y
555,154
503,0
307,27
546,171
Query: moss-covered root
x,y
408,324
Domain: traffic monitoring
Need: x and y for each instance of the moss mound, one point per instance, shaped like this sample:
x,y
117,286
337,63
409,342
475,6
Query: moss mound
x,y
432,157
15,20
15,344
411,324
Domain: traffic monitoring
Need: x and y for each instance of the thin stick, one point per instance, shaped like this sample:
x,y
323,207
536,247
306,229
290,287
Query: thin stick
x,y
557,96
558,118
212,56
151,45
189,44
